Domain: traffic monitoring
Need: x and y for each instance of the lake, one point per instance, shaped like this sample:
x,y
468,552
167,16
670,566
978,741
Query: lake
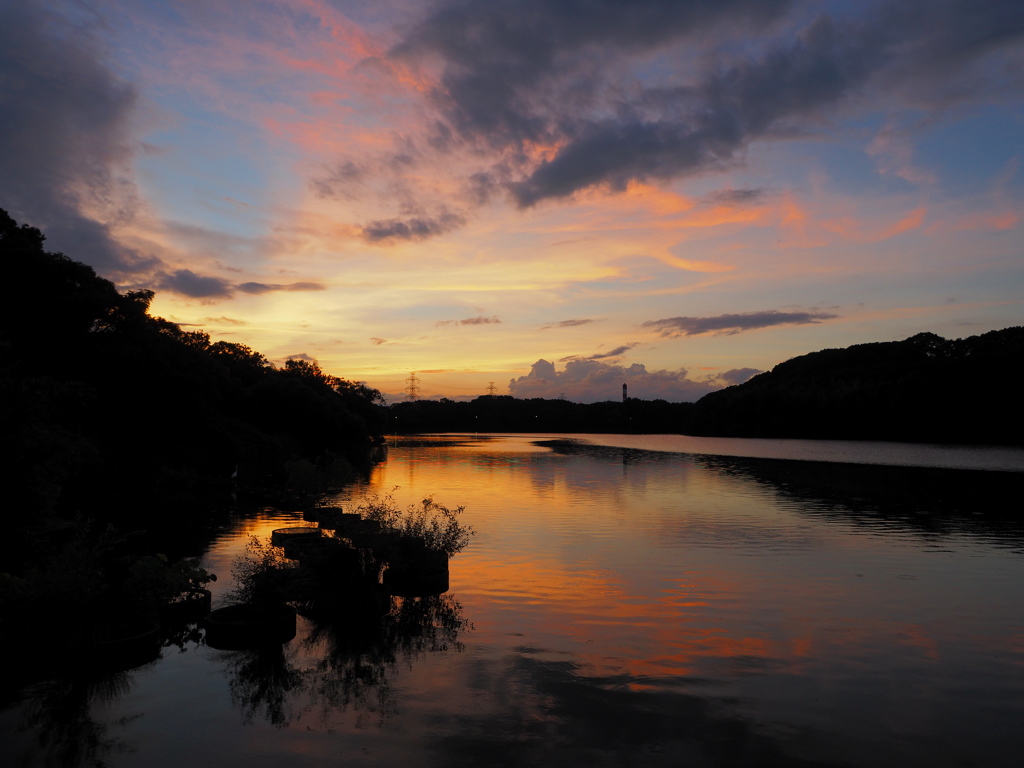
x,y
625,601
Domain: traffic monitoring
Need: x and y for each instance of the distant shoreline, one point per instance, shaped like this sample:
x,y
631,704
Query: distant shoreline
x,y
864,452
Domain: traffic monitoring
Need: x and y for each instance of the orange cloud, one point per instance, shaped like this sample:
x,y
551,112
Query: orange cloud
x,y
912,220
342,29
695,266
1001,222
659,201
795,224
805,229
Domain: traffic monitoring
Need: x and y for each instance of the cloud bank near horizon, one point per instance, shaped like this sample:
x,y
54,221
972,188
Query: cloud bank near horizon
x,y
592,381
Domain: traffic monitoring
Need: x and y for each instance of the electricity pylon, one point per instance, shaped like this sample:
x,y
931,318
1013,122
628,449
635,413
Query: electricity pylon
x,y
412,387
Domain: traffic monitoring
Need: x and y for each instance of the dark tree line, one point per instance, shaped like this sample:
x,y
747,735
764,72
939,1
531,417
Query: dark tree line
x,y
504,413
105,408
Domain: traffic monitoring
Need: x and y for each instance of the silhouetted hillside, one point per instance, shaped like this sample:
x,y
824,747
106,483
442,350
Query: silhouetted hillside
x,y
104,407
923,389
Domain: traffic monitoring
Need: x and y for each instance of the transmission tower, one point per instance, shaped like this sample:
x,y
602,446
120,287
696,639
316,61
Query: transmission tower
x,y
491,389
412,387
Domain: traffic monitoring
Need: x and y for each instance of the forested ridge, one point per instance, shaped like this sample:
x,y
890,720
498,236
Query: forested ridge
x,y
922,389
105,407
504,413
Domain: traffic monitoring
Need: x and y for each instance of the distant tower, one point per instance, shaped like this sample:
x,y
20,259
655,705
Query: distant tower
x,y
412,387
491,389
623,393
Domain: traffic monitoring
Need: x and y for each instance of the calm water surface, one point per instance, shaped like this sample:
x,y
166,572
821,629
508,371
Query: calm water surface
x,y
617,607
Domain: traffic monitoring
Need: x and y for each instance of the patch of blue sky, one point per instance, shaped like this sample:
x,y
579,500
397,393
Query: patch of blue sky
x,y
966,155
781,164
382,13
847,166
208,159
167,13
975,151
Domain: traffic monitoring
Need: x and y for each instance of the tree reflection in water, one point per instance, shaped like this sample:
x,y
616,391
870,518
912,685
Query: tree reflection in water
x,y
59,712
261,680
351,665
343,662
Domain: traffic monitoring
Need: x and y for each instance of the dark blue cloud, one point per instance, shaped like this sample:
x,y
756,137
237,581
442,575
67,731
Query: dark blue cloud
x,y
644,89
736,197
64,135
738,375
501,56
413,228
480,320
568,323
188,283
617,352
732,323
259,288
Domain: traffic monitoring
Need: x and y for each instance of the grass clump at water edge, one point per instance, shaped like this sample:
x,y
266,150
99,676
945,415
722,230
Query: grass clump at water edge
x,y
263,574
436,525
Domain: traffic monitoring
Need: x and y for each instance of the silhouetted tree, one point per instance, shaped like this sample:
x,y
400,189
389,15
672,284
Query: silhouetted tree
x,y
105,405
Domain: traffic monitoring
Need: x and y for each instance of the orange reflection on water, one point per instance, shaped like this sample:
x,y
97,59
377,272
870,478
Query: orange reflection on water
x,y
699,625
611,629
654,573
221,558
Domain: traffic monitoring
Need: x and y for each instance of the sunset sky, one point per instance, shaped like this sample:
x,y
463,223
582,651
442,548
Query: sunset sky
x,y
669,194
